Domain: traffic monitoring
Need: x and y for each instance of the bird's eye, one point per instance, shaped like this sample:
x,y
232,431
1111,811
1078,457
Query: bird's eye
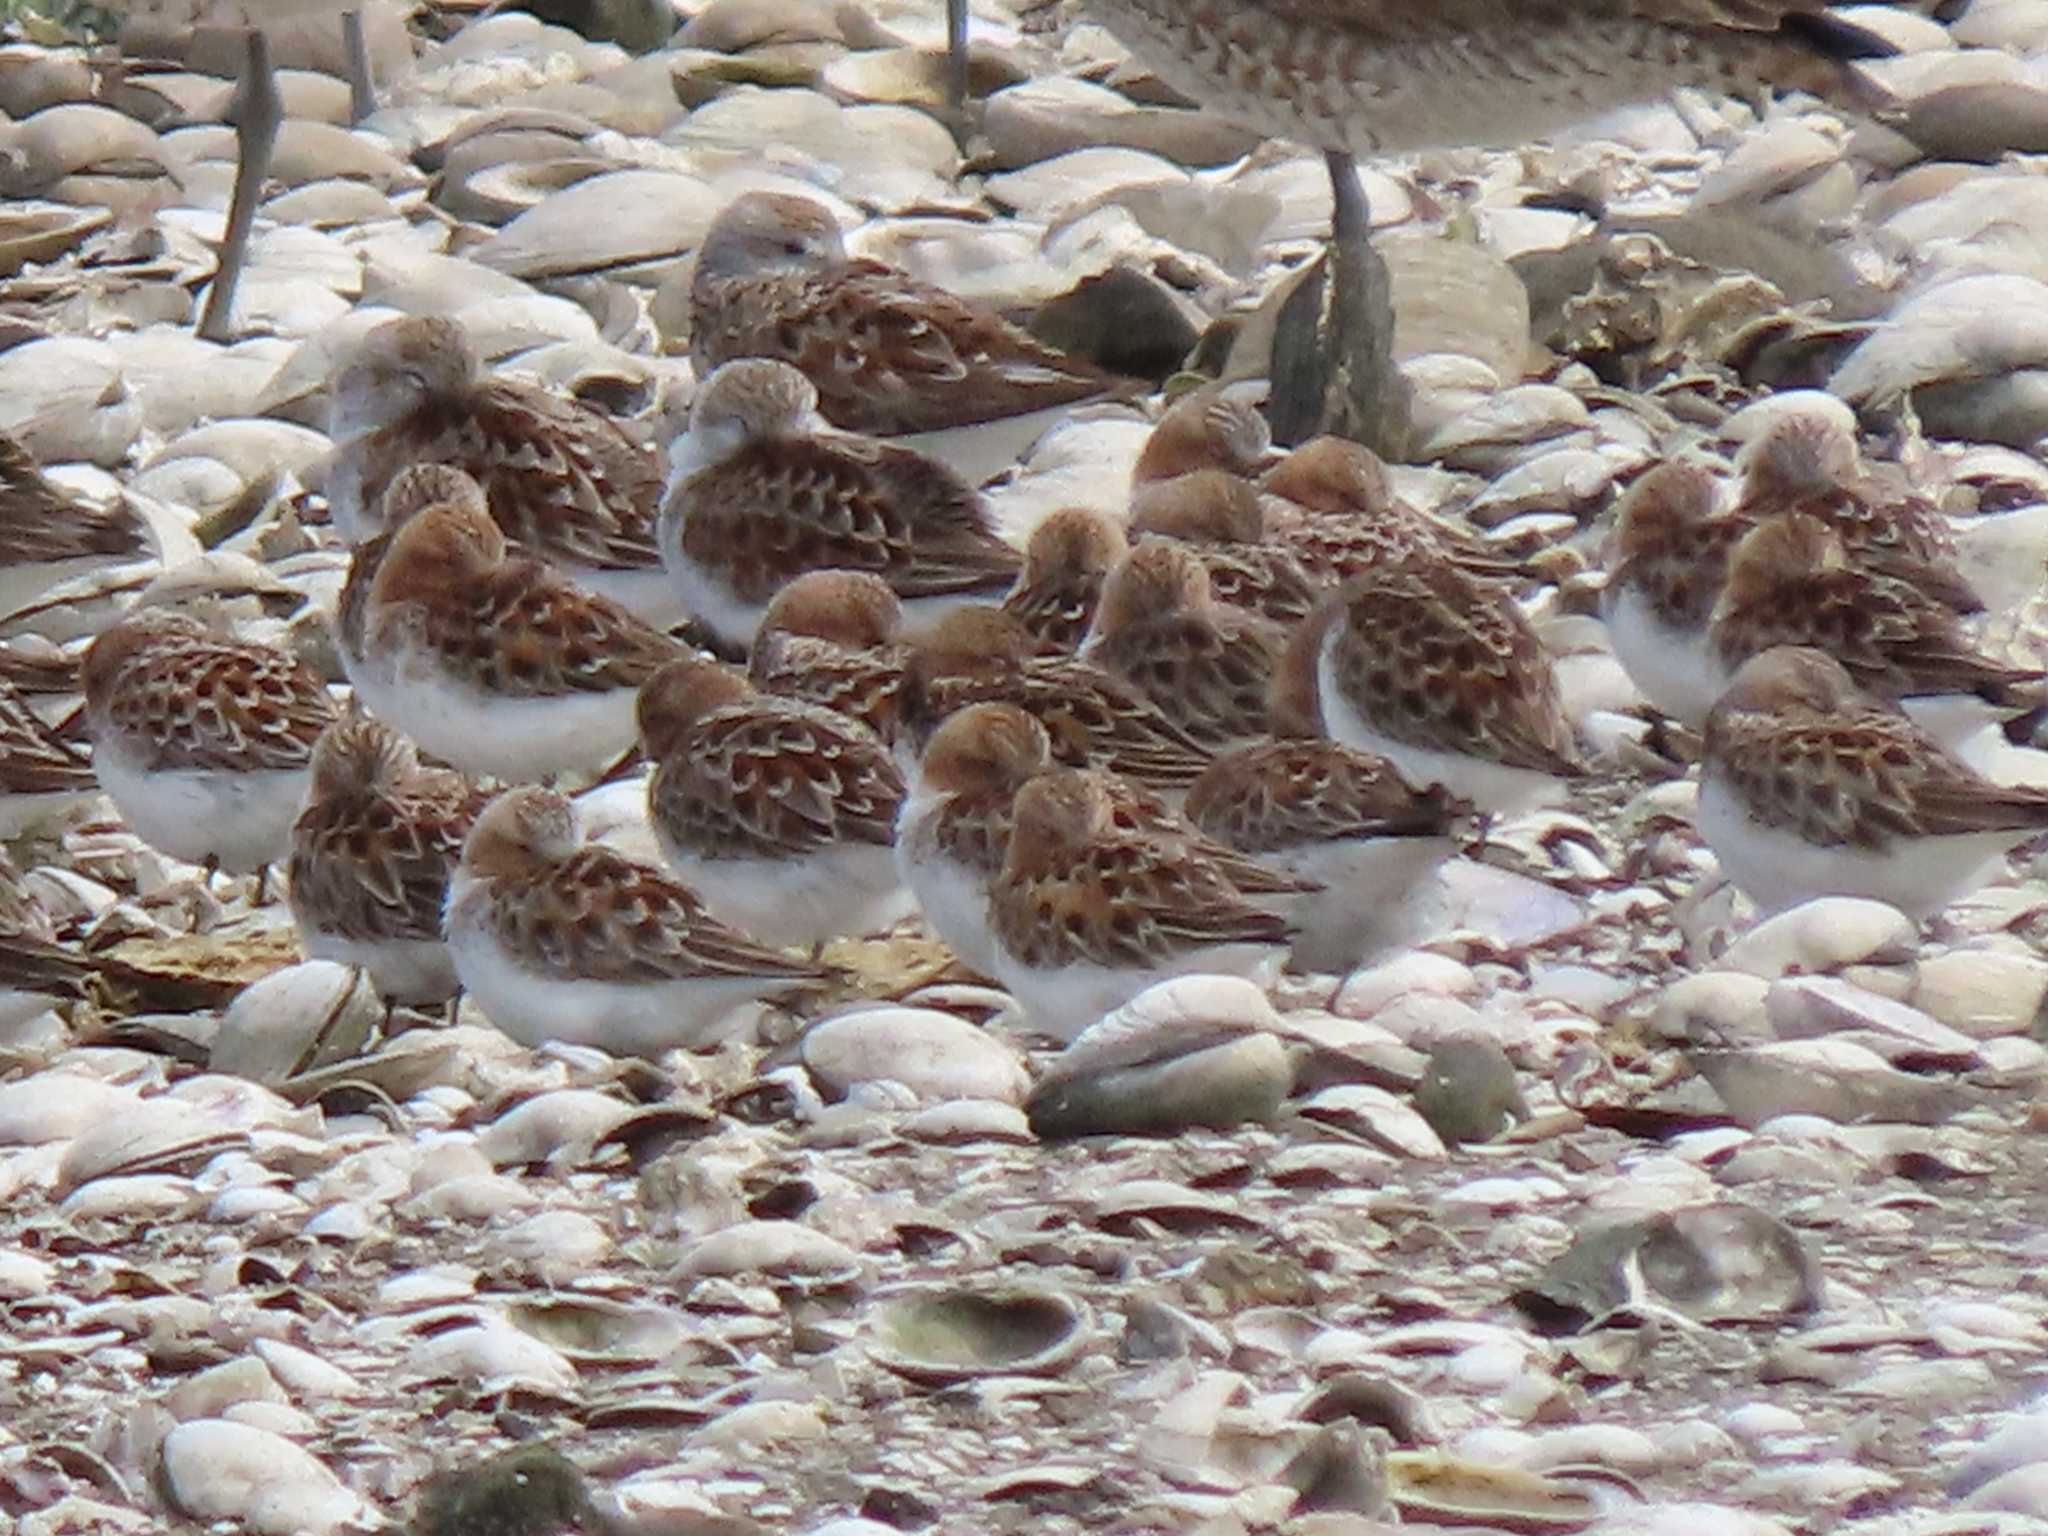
x,y
792,247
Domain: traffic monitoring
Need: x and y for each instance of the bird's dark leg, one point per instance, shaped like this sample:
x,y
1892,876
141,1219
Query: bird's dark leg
x,y
1333,364
956,66
362,83
262,885
257,112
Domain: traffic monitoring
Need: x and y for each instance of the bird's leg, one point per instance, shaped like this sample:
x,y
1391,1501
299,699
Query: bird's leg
x,y
362,83
956,67
1333,350
257,112
262,885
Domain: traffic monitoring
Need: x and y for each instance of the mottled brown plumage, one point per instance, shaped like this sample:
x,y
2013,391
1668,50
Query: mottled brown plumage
x,y
1812,752
982,655
181,696
562,480
1792,582
558,939
1222,518
887,353
764,493
34,760
1375,76
830,637
371,858
42,524
498,620
1077,889
1206,667
1067,559
1806,462
741,773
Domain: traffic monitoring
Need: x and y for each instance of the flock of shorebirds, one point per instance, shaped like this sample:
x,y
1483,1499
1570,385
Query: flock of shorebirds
x,y
1241,726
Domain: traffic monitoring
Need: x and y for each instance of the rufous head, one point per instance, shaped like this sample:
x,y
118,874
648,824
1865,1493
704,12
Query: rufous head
x,y
1073,541
523,832
426,485
359,754
1332,475
1780,549
856,609
1057,816
1802,453
761,232
973,632
1207,428
398,367
443,545
1792,677
1205,506
1159,577
1661,508
751,398
985,749
680,695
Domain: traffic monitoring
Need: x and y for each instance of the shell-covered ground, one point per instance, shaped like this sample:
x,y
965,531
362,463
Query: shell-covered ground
x,y
1760,1248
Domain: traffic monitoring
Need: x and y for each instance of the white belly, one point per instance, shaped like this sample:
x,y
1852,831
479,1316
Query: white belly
x,y
844,892
1492,786
952,897
412,972
1674,669
1377,896
193,814
1778,869
626,1019
1063,1001
704,592
522,740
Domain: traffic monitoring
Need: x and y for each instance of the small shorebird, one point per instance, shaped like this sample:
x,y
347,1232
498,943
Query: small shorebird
x,y
1368,77
204,741
372,853
761,491
561,939
1809,786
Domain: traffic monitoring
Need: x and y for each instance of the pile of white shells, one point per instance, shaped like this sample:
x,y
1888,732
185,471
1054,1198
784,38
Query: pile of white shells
x,y
1602,1210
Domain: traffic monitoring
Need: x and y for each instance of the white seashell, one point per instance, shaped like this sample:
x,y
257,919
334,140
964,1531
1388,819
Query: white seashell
x,y
936,1055
66,398
58,1106
765,1423
1823,936
211,1392
1983,993
616,220
215,1470
491,1353
1808,1007
943,1335
304,1374
1376,1115
548,1123
296,1019
782,1248
1712,1008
